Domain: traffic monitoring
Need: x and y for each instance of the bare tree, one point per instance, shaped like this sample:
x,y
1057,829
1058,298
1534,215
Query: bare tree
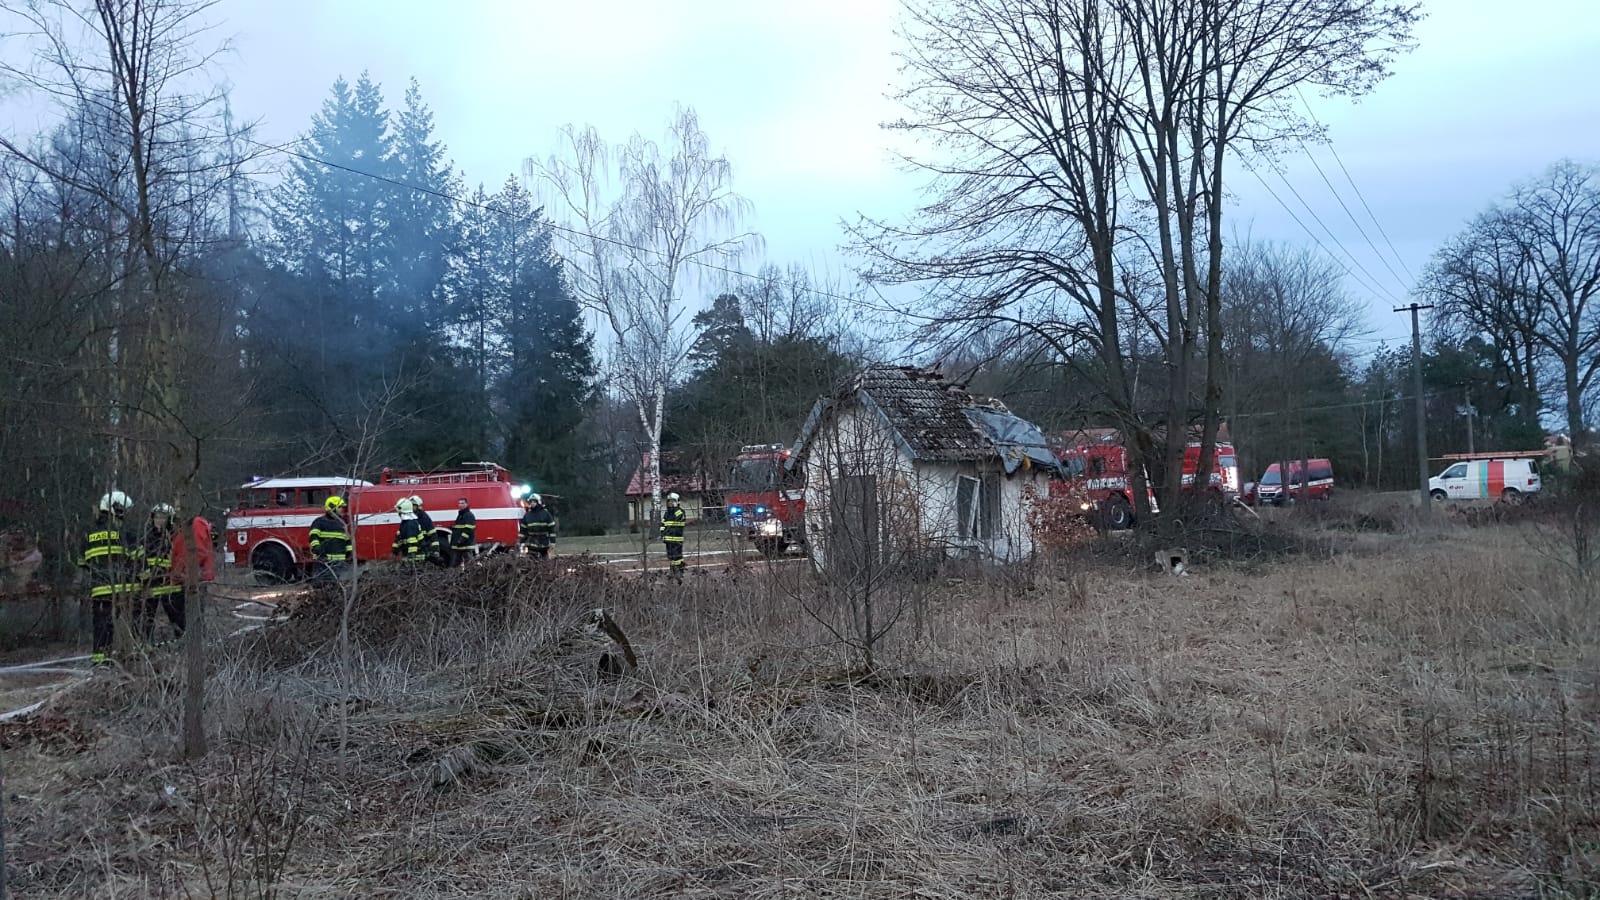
x,y
134,74
632,255
1483,282
1284,311
1081,154
1556,221
1214,78
1027,227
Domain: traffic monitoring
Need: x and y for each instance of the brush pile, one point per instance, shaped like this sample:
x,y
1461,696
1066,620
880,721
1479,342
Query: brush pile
x,y
391,607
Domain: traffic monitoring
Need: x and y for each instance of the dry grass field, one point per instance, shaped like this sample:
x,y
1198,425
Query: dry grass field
x,y
1390,713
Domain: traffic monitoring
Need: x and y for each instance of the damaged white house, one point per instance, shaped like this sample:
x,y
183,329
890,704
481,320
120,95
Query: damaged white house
x,y
902,464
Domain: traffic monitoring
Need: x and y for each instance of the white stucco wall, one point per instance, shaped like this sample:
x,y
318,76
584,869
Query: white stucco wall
x,y
917,499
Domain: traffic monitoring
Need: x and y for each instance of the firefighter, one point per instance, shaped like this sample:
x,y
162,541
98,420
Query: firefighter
x,y
672,522
205,565
159,588
464,533
330,540
434,543
110,556
538,529
408,540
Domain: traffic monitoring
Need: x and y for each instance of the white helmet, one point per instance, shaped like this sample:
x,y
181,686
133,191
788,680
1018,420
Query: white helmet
x,y
536,500
416,501
162,509
115,502
673,497
403,506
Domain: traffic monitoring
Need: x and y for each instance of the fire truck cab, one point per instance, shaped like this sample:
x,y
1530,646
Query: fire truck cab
x,y
766,499
1099,473
269,530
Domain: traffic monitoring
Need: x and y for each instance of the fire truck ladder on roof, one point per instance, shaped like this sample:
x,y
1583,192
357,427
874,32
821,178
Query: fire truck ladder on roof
x,y
469,472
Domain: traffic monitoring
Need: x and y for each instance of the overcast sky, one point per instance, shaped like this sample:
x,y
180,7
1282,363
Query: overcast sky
x,y
795,92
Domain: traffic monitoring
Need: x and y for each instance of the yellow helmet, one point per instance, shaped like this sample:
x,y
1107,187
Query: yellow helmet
x,y
333,503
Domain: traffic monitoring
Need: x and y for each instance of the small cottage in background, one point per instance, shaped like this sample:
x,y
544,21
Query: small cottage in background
x,y
700,493
901,463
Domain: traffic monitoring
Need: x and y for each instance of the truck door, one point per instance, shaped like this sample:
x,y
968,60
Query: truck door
x,y
1455,482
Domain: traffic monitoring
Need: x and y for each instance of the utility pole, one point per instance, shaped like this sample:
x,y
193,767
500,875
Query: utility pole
x,y
1466,395
1422,405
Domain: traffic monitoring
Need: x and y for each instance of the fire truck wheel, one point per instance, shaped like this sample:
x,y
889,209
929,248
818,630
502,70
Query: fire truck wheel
x,y
274,561
771,547
1119,516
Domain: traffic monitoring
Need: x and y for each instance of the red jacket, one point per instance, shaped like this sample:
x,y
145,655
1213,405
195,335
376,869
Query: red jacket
x,y
180,550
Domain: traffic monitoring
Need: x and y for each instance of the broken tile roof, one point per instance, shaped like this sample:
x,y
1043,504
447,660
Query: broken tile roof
x,y
693,483
928,412
936,420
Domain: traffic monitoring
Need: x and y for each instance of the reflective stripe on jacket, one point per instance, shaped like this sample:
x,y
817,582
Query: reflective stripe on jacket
x,y
330,540
538,527
672,522
156,553
464,533
408,540
111,559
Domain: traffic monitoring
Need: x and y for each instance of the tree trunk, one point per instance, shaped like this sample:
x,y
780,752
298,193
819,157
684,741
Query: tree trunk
x,y
1569,372
194,636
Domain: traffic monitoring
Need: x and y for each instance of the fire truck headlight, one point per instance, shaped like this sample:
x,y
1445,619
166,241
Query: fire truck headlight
x,y
761,510
1086,506
771,528
735,510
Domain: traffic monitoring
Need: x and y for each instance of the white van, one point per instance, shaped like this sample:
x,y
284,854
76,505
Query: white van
x,y
1486,479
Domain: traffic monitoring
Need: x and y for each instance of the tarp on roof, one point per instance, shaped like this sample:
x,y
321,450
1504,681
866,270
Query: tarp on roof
x,y
1019,442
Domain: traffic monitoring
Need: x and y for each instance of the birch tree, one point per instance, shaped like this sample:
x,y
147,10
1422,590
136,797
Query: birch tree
x,y
639,226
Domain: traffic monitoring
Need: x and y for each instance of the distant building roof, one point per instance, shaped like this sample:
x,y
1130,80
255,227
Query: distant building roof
x,y
695,483
935,420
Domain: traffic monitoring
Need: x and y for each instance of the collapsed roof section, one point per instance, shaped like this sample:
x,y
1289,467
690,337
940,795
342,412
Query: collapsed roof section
x,y
937,421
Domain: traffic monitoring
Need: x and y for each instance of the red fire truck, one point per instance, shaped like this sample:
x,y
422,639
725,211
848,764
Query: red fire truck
x,y
1098,472
766,498
269,530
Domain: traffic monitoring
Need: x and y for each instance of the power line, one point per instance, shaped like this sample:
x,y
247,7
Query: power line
x,y
1311,234
1359,195
1338,243
1353,220
1351,405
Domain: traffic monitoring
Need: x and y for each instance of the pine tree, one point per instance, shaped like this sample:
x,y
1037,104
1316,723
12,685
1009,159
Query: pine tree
x,y
548,385
317,339
478,293
421,219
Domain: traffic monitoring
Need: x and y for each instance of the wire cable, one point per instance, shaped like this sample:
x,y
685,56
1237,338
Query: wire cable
x,y
1359,195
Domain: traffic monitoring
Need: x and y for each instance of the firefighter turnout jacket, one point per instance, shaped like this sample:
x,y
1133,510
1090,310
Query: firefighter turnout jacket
x,y
330,539
408,540
464,533
156,554
538,528
672,522
110,556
